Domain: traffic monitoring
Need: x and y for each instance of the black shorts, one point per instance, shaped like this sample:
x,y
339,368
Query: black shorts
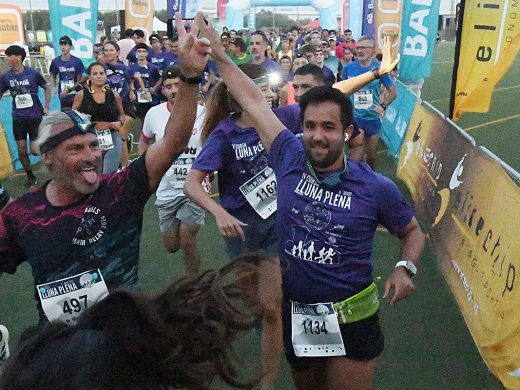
x,y
22,127
66,104
141,109
129,109
363,340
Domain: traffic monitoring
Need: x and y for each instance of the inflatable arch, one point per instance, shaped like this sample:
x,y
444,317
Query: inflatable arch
x,y
235,10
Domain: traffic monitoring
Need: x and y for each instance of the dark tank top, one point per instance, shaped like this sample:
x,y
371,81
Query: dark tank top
x,y
100,112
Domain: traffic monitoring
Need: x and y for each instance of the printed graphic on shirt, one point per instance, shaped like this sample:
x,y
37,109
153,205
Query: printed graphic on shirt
x,y
92,227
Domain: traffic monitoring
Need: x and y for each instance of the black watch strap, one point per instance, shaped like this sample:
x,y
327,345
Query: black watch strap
x,y
195,80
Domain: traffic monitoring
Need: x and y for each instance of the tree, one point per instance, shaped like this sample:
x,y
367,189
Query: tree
x,y
265,19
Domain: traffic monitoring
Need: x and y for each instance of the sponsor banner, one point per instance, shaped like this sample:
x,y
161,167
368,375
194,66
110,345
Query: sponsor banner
x,y
387,15
367,27
418,38
78,20
11,26
187,8
355,18
476,242
251,20
489,43
139,15
396,120
221,10
344,18
429,155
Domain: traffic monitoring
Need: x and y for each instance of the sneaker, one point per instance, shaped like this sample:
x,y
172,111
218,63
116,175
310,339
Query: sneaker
x,y
31,182
4,344
130,142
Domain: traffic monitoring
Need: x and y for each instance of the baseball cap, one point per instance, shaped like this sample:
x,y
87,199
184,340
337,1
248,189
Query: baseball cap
x,y
332,38
225,35
65,40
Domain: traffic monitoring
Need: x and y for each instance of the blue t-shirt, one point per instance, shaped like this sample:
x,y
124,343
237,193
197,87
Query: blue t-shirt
x,y
119,79
237,154
100,231
69,72
367,97
271,66
150,75
171,59
158,60
132,58
23,87
325,234
330,77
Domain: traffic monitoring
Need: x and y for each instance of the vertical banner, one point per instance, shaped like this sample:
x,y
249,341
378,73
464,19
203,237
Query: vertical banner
x,y
367,27
11,26
187,8
388,23
251,20
221,11
78,20
477,245
344,15
489,43
355,18
396,120
139,14
418,38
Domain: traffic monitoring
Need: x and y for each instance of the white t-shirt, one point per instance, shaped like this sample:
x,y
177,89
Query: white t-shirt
x,y
173,180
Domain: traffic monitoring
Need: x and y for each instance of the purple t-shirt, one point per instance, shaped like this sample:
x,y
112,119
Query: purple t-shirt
x,y
171,59
325,234
290,117
271,66
158,59
132,58
119,79
150,75
237,154
100,231
68,72
24,90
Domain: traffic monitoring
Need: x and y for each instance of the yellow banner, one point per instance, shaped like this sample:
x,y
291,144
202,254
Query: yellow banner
x,y
387,16
6,161
489,44
469,206
11,26
139,14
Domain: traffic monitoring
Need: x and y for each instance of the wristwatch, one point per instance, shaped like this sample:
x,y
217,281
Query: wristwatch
x,y
383,105
410,267
195,80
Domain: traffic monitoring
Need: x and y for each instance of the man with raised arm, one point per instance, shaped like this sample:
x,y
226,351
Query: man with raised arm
x,y
80,231
329,208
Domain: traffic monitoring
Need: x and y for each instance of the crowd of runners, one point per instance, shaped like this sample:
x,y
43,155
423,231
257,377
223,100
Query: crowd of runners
x,y
288,124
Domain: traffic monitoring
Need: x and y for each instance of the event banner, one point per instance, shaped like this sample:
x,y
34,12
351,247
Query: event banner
x,y
187,8
355,18
344,15
477,244
418,38
11,26
396,120
489,43
367,27
387,14
431,152
78,20
139,14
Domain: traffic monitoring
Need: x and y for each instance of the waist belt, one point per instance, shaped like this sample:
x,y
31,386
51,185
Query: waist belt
x,y
358,307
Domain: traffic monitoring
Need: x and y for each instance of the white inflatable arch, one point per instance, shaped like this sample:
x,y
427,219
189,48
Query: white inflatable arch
x,y
235,10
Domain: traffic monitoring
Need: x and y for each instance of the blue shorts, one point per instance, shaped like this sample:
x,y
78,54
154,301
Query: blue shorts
x,y
369,126
260,233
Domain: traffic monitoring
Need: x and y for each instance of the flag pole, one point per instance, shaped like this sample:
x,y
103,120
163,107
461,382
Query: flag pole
x,y
458,38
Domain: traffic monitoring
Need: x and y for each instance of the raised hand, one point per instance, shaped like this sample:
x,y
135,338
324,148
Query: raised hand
x,y
208,32
387,65
193,51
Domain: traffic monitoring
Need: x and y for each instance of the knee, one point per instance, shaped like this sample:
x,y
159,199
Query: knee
x,y
188,239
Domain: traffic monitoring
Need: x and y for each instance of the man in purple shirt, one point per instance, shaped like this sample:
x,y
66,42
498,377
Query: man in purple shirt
x,y
257,46
23,83
329,208
80,231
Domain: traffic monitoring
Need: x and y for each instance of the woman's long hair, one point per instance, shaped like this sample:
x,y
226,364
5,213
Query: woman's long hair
x,y
221,104
179,338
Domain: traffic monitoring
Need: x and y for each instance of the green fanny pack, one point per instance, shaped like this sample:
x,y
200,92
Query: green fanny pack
x,y
358,307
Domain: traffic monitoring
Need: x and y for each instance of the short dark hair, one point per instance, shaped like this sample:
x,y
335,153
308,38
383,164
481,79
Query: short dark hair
x,y
154,36
262,34
65,40
129,33
313,70
347,30
113,43
307,48
141,45
139,33
324,94
96,63
15,50
240,43
171,72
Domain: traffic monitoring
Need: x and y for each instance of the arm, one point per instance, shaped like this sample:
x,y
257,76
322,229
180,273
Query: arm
x,y
244,90
193,53
228,225
118,125
47,94
78,99
399,285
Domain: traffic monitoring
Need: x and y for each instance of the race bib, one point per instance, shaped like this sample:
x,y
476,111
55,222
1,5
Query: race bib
x,y
363,100
178,172
64,300
315,330
260,192
105,139
144,97
67,84
23,101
